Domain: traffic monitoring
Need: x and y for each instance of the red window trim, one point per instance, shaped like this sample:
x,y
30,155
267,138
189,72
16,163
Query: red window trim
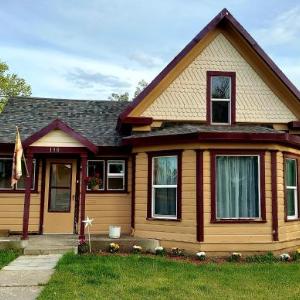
x,y
152,154
106,190
213,155
232,75
287,155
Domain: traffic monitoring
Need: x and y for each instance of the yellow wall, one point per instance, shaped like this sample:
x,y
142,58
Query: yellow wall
x,y
56,138
217,237
110,209
185,97
11,210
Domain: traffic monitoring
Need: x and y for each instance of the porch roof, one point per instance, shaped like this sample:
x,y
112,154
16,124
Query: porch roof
x,y
94,120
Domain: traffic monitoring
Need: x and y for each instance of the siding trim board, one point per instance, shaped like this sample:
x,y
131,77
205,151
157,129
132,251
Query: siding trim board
x,y
42,196
261,155
199,196
232,75
152,154
133,190
274,196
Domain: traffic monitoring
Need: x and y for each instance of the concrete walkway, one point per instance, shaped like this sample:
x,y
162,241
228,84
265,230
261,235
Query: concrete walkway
x,y
23,278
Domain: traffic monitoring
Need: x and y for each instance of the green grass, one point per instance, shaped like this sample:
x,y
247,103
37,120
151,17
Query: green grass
x,y
6,256
146,277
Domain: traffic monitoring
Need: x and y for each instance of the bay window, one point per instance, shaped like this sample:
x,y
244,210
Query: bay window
x,y
291,188
237,187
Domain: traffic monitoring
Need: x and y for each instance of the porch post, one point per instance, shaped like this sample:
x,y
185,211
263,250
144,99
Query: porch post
x,y
83,157
28,182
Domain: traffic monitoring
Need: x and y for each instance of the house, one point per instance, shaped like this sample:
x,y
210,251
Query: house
x,y
205,158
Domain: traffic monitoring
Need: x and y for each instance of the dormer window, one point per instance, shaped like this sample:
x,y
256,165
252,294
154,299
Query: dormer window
x,y
220,98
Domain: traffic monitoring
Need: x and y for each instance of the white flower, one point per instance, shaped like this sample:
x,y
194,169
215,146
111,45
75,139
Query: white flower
x,y
285,257
201,255
236,254
159,248
136,247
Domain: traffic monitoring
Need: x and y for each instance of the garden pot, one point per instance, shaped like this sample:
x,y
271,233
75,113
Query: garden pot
x,y
114,232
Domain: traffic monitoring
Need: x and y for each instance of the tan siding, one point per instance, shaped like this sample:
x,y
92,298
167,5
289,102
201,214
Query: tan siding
x,y
57,138
217,237
185,97
11,210
110,209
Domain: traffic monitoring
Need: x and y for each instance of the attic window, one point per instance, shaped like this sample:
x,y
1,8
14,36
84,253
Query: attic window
x,y
221,98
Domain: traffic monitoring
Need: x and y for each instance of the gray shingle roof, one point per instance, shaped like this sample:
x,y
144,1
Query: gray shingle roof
x,y
95,120
175,129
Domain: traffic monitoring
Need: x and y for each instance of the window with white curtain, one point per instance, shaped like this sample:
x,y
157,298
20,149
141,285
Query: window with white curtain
x,y
164,186
291,188
237,187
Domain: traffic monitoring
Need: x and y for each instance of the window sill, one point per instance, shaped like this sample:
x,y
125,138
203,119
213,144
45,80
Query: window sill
x,y
237,221
163,219
17,192
107,192
292,220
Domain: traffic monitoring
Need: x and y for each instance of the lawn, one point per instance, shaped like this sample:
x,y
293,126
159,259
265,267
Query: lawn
x,y
6,256
145,277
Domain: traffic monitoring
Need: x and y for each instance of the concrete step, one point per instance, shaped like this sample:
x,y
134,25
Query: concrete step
x,y
49,250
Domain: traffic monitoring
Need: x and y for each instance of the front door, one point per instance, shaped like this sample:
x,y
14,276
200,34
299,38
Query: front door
x,y
60,196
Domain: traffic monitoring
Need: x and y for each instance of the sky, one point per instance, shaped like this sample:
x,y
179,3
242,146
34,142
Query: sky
x,y
90,49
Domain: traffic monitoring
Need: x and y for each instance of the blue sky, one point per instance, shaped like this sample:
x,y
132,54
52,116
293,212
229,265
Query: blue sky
x,y
89,49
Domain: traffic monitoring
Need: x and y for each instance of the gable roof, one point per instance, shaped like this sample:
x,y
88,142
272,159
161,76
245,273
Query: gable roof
x,y
58,124
223,16
93,120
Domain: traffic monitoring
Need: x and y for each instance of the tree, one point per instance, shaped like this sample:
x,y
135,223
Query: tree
x,y
11,85
125,96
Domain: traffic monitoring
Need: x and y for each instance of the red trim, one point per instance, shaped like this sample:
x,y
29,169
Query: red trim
x,y
199,196
133,190
232,75
82,194
77,197
152,154
274,195
42,196
294,125
28,181
220,19
213,155
58,124
296,157
138,121
65,187
196,137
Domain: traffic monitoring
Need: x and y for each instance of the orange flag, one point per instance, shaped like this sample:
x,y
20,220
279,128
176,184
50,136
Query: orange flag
x,y
17,160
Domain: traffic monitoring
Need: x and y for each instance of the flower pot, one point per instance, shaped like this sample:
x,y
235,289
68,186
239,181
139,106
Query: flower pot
x,y
95,187
114,232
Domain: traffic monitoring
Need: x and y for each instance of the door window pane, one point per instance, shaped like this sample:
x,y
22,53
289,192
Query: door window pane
x,y
237,187
60,200
60,175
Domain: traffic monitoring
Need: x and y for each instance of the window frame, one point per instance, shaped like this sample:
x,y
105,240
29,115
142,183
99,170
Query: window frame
x,y
105,190
151,200
261,186
22,190
115,175
297,216
104,172
232,100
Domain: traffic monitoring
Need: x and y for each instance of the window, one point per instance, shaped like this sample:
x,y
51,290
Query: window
x,y
96,168
164,186
6,172
221,98
237,187
291,188
115,175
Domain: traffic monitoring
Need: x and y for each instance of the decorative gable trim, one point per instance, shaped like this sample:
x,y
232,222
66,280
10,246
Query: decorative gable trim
x,y
223,16
58,124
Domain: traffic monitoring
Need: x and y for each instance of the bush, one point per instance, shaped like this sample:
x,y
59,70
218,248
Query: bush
x,y
159,250
265,258
83,247
177,252
137,249
235,256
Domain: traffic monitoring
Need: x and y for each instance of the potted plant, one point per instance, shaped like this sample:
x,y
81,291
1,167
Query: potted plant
x,y
94,182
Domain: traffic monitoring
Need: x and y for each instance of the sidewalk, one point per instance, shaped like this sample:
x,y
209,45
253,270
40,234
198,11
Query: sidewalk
x,y
23,278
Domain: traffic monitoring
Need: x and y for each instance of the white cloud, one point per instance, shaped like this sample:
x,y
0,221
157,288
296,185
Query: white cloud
x,y
282,30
